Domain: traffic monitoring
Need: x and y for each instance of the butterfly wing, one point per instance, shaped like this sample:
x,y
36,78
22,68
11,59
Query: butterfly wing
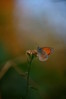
x,y
42,55
48,50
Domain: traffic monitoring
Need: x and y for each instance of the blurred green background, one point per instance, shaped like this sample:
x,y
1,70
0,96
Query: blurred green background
x,y
25,25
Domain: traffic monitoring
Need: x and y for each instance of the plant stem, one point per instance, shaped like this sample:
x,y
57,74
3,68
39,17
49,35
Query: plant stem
x,y
27,88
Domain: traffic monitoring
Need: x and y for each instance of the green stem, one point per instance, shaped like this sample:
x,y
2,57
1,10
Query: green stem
x,y
27,88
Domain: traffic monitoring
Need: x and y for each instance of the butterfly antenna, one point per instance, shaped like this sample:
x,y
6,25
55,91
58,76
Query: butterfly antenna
x,y
37,45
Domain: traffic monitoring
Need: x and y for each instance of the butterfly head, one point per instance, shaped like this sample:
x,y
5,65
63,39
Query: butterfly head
x,y
39,49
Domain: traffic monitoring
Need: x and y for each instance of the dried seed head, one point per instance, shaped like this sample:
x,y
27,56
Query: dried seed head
x,y
31,52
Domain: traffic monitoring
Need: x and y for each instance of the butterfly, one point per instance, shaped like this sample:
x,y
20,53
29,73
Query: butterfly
x,y
44,52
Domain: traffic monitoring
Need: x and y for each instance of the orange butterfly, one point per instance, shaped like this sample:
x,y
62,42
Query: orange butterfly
x,y
44,52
